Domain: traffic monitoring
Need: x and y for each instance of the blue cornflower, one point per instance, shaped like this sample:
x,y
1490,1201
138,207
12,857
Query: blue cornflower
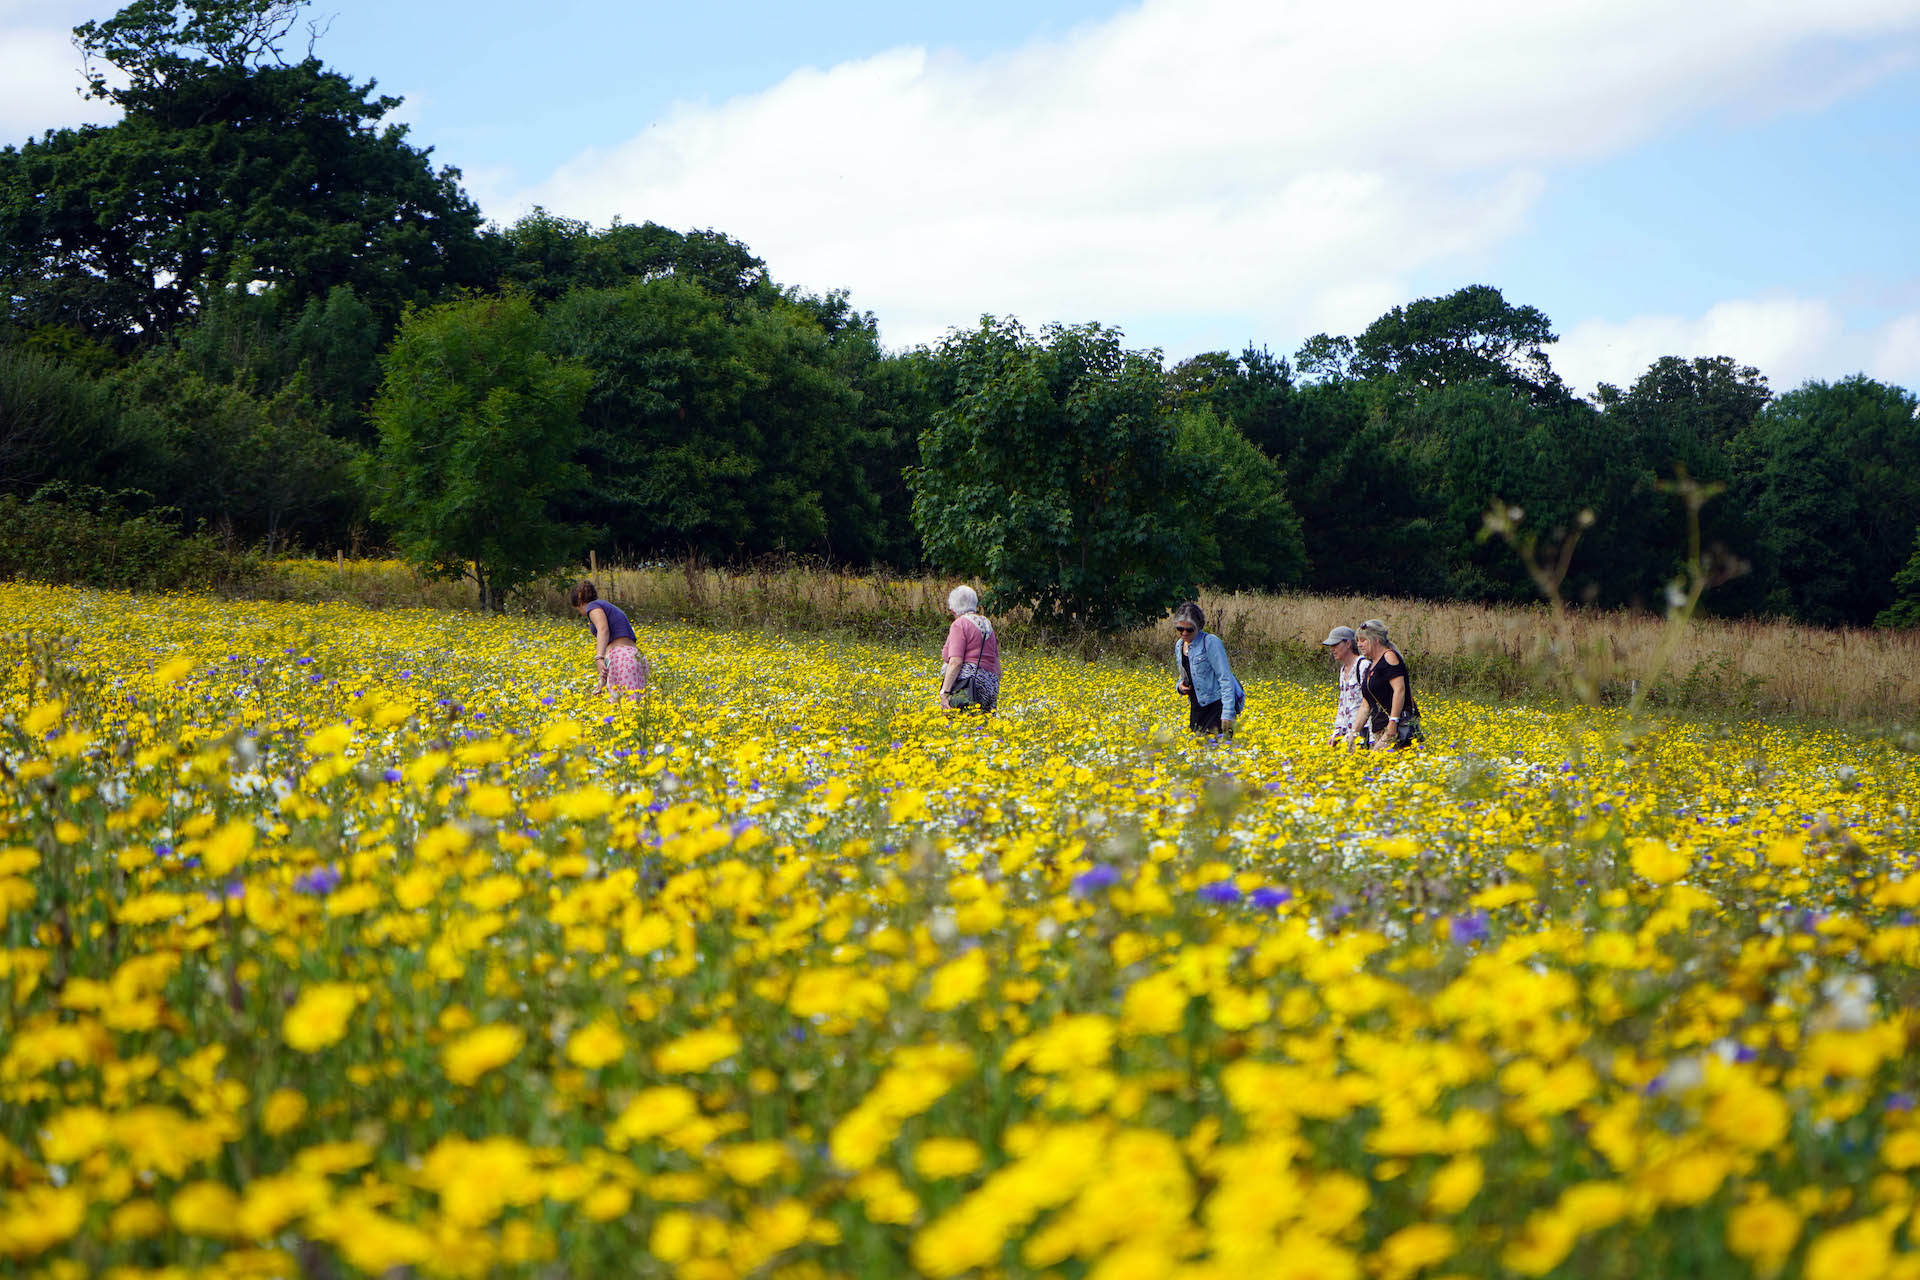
x,y
1468,928
1093,880
1266,897
1224,892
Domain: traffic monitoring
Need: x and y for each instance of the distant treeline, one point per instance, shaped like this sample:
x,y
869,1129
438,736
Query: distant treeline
x,y
251,307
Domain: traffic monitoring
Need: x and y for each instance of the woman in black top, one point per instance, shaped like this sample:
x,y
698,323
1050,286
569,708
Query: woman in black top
x,y
1393,718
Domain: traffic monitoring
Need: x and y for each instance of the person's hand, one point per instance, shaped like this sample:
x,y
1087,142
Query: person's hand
x,y
1226,730
1382,743
1183,688
944,704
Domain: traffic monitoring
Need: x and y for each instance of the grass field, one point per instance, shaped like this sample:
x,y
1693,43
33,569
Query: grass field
x,y
374,942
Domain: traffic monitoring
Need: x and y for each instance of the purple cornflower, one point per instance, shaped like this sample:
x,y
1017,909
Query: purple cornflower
x,y
1224,892
1468,928
319,882
1093,880
392,775
1266,897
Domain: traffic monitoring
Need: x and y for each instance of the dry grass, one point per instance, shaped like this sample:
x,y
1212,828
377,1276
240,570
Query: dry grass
x,y
1500,652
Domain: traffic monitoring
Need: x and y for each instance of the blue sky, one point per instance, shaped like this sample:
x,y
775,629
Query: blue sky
x,y
1707,178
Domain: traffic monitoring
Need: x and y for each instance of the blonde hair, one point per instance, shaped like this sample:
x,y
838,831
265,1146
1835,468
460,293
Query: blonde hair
x,y
1375,628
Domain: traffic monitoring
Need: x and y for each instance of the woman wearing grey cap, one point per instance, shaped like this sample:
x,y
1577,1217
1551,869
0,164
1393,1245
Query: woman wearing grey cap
x,y
1392,722
1352,670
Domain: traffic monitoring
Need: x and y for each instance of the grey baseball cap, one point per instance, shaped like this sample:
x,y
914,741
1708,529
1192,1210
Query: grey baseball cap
x,y
1338,634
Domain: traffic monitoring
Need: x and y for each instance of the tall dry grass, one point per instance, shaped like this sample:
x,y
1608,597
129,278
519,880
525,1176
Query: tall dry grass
x,y
1742,666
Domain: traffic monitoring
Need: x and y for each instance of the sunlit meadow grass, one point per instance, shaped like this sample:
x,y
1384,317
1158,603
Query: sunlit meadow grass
x,y
1746,666
341,941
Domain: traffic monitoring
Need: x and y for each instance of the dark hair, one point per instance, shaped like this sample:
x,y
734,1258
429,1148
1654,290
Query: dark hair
x,y
585,593
1191,612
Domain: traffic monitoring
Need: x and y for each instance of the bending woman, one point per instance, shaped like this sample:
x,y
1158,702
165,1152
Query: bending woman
x,y
1393,718
616,654
1214,697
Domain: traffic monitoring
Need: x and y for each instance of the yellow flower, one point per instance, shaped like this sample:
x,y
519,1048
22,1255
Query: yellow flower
x,y
1455,1184
946,1158
283,1109
205,1209
330,741
696,1051
137,1220
225,848
1857,1251
958,981
1412,1249
319,1017
489,801
651,1113
1763,1231
1155,1005
480,1051
584,804
595,1045
1656,861
606,1202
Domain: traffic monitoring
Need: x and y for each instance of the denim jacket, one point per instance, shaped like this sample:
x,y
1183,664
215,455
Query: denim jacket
x,y
1211,673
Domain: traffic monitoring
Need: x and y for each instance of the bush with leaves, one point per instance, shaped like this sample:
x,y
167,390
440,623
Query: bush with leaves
x,y
1054,475
478,427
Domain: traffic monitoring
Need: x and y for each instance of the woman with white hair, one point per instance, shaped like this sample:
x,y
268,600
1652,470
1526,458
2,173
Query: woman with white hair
x,y
1392,721
970,674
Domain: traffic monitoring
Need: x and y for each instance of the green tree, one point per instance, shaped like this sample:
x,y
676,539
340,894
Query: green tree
x,y
478,426
1905,609
60,425
1680,415
257,464
712,430
227,166
1831,475
1054,474
1242,507
548,256
1472,334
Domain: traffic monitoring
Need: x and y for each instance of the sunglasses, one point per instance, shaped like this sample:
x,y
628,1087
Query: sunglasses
x,y
1185,631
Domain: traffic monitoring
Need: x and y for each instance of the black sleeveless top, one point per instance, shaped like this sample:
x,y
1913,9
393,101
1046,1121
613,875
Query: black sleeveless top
x,y
1377,688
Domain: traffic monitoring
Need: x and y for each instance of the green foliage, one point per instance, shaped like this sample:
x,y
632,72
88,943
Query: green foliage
x,y
85,537
258,463
57,424
1905,609
548,256
1831,472
277,174
329,348
1242,508
155,44
1472,334
1053,474
478,425
712,430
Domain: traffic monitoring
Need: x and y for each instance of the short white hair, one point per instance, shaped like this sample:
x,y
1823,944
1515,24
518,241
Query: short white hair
x,y
963,599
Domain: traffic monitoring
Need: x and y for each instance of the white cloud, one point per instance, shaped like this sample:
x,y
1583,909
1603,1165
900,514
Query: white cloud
x,y
1788,339
1289,166
1897,358
40,76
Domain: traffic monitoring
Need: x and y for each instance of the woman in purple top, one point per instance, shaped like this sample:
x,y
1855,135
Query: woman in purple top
x,y
970,659
615,651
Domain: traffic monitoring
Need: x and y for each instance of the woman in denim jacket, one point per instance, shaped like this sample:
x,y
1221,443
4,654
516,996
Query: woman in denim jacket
x,y
1214,696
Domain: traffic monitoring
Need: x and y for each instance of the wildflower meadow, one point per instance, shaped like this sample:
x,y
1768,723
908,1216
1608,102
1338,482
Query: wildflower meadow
x,y
348,942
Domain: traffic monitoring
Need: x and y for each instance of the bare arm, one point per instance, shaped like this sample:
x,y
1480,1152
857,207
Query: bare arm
x,y
601,635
